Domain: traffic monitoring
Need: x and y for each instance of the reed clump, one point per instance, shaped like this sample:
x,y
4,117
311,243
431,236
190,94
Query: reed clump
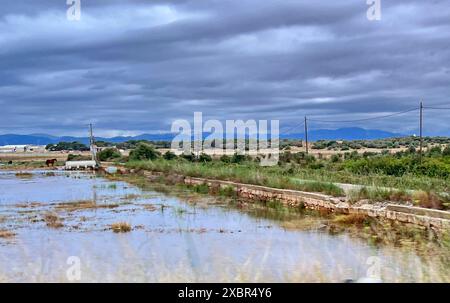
x,y
53,220
22,174
83,205
121,227
5,234
351,219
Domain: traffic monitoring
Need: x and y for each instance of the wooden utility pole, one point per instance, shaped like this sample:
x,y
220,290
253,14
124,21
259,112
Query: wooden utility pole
x,y
306,135
92,144
421,126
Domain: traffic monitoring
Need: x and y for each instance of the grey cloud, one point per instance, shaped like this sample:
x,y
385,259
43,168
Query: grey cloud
x,y
135,66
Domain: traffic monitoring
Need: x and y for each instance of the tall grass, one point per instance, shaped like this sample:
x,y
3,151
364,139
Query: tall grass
x,y
418,198
379,195
244,173
407,181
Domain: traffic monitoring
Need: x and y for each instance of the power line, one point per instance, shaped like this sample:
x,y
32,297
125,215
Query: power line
x,y
421,107
428,107
355,120
366,119
293,127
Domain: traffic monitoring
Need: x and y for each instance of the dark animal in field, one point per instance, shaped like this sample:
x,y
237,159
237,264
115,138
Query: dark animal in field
x,y
10,162
50,162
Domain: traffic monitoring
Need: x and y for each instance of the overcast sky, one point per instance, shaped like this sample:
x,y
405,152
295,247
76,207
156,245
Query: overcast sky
x,y
132,67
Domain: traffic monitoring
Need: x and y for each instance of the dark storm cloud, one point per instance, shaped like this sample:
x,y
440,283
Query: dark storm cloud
x,y
135,66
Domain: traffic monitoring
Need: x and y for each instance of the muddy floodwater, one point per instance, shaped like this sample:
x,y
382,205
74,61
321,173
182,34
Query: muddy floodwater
x,y
56,227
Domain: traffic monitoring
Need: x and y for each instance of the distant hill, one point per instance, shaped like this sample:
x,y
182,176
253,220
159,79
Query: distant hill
x,y
350,133
11,139
42,139
353,133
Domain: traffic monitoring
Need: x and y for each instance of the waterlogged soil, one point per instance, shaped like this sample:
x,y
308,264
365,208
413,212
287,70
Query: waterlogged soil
x,y
57,227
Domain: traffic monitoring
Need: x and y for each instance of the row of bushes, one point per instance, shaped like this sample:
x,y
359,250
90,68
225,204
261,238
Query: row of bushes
x,y
409,142
143,151
389,165
67,146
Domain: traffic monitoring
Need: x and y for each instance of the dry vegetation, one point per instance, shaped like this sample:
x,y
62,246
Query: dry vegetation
x,y
53,220
28,205
121,227
428,200
22,174
6,234
150,207
353,219
81,205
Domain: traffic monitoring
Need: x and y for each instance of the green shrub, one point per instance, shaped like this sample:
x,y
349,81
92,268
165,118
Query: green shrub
x,y
286,157
144,151
316,165
237,158
204,158
335,158
225,159
435,151
399,166
108,154
190,157
433,167
169,155
412,149
67,146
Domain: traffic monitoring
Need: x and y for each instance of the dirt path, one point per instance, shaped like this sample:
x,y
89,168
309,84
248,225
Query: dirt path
x,y
347,187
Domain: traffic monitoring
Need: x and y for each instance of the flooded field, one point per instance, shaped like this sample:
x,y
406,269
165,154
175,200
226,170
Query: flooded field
x,y
69,227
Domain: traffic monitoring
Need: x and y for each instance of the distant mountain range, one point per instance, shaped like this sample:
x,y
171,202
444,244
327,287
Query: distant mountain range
x,y
353,133
350,133
42,139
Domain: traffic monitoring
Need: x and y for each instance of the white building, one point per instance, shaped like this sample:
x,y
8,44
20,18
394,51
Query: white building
x,y
21,148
